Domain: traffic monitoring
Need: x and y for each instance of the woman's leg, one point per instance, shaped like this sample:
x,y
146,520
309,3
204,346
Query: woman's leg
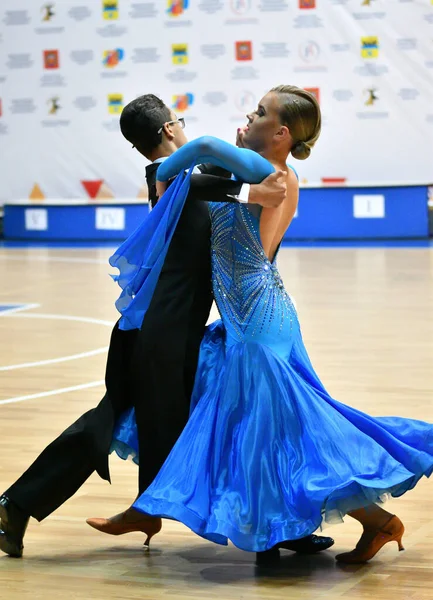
x,y
380,527
372,517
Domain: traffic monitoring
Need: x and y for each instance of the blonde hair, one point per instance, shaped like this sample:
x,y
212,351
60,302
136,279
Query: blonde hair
x,y
300,112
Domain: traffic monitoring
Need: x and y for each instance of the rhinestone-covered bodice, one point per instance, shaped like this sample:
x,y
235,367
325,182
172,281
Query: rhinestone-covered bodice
x,y
248,289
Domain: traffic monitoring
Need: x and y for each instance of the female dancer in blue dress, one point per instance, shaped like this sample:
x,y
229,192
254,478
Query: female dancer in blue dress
x,y
267,454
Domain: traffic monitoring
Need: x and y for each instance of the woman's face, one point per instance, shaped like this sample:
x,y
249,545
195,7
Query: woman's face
x,y
263,123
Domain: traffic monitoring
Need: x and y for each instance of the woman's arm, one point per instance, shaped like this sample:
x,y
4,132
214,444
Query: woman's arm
x,y
245,164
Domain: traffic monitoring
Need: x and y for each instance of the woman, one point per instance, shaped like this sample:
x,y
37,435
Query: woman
x,y
267,454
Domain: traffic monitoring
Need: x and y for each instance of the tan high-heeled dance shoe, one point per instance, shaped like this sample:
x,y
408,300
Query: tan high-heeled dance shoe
x,y
372,541
126,522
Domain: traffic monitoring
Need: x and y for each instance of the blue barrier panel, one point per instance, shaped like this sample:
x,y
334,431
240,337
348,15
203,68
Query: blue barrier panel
x,y
391,212
72,222
323,213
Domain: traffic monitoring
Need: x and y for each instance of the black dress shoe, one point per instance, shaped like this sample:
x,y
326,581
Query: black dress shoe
x,y
307,545
13,525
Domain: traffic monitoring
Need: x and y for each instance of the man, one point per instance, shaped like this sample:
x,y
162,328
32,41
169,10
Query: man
x,y
151,369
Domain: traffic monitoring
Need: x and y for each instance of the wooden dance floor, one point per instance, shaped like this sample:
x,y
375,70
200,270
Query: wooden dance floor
x,y
367,318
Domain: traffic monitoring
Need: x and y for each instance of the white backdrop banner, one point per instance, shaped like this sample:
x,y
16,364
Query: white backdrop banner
x,y
67,68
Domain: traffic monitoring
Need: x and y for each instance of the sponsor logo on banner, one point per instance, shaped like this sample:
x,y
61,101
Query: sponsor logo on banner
x,y
179,53
370,47
51,59
175,8
47,12
54,106
309,51
111,58
182,102
240,7
48,18
245,101
244,51
315,91
371,96
110,9
115,104
307,3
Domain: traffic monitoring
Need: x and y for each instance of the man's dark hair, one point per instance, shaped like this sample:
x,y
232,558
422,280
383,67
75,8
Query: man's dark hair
x,y
141,119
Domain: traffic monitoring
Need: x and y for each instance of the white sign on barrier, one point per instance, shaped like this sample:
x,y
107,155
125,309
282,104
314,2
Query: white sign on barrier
x,y
110,218
368,206
36,219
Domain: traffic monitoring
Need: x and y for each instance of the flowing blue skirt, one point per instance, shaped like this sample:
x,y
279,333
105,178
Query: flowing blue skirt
x,y
267,454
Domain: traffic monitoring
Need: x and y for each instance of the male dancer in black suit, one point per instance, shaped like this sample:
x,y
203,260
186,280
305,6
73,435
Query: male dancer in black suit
x,y
152,368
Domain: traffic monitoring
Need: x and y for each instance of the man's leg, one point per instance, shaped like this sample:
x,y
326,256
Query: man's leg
x,y
161,419
64,465
67,462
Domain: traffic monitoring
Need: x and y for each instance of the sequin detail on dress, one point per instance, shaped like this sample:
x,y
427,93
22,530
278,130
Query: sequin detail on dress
x,y
248,288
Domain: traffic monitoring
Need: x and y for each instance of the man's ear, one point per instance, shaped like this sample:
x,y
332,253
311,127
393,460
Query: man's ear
x,y
168,131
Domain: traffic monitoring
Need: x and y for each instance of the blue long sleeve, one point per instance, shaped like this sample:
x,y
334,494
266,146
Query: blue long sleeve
x,y
245,164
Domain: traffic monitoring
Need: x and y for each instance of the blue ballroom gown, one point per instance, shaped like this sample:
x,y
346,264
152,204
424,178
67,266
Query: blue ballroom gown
x,y
267,454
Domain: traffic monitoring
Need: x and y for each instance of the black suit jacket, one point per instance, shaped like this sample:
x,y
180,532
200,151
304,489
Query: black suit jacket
x,y
164,360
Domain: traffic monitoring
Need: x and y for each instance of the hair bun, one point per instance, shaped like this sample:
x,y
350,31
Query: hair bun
x,y
301,150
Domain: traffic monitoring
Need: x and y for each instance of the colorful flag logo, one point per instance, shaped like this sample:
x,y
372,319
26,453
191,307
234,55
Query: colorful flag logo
x,y
244,50
115,104
179,54
370,47
110,9
175,8
182,102
111,58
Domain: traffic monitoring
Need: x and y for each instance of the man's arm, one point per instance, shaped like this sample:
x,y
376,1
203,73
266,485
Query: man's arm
x,y
212,188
